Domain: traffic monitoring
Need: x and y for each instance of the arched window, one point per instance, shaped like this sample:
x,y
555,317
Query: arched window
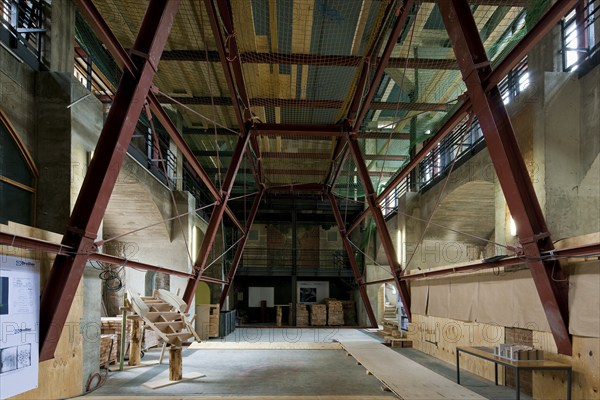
x,y
18,177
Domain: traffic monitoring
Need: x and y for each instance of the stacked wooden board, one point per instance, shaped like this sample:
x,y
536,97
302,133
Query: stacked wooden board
x,y
301,315
112,326
108,349
349,308
318,314
335,312
213,321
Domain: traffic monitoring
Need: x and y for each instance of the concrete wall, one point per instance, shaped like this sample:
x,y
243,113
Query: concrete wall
x,y
557,124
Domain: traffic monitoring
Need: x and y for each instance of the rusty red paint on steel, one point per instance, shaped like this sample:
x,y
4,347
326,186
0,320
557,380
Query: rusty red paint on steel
x,y
99,26
99,182
382,230
352,259
532,38
215,219
240,248
510,168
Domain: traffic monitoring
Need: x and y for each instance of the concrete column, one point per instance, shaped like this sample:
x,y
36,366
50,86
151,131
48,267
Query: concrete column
x,y
53,122
61,36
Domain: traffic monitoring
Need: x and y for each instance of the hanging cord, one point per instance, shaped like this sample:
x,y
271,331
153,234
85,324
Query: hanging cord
x,y
401,84
174,100
225,252
509,248
439,199
102,242
169,181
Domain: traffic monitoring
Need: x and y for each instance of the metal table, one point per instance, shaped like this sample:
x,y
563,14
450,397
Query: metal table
x,y
487,353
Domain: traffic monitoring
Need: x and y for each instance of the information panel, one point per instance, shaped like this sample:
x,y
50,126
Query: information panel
x,y
19,319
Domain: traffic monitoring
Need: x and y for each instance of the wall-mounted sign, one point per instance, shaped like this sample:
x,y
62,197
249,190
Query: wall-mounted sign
x,y
312,291
19,320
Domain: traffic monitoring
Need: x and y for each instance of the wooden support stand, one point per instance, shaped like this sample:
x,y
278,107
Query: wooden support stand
x,y
175,363
135,342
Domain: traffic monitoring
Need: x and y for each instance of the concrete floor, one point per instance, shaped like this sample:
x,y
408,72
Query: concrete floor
x,y
280,372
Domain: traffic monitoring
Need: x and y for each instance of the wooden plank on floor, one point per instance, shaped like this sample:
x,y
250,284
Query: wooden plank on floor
x,y
265,346
162,382
404,377
237,397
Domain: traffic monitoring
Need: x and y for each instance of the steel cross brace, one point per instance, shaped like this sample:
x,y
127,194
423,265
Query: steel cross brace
x,y
353,120
532,38
104,168
232,68
215,220
382,230
350,251
513,176
97,23
241,245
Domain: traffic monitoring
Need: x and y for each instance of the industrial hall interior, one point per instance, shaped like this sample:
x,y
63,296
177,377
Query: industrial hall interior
x,y
300,199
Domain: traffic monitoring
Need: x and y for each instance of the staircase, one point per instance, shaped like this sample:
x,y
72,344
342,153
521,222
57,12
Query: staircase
x,y
389,311
164,313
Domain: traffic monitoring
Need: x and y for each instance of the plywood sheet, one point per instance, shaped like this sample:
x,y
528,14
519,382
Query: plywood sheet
x,y
238,397
264,346
404,377
419,292
584,301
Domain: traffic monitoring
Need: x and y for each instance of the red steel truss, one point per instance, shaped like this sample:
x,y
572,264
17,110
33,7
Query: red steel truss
x,y
100,180
549,279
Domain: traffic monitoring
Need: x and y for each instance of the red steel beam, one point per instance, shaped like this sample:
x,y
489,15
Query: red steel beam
x,y
102,174
382,230
241,246
508,162
188,154
301,187
383,62
546,23
357,97
308,59
591,250
292,130
558,10
34,244
301,103
233,60
428,146
122,58
106,258
352,259
215,219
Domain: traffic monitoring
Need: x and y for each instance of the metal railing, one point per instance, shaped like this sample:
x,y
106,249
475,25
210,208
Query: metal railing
x,y
461,144
281,260
23,31
581,35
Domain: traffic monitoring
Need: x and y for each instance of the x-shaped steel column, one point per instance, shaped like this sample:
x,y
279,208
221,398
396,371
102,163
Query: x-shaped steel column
x,y
549,279
101,177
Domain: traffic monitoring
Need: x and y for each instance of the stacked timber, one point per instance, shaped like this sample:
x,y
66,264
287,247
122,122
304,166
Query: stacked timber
x,y
318,314
349,308
335,312
112,325
301,315
108,349
213,321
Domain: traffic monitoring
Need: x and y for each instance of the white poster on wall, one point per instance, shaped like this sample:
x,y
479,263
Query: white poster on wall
x,y
312,291
19,321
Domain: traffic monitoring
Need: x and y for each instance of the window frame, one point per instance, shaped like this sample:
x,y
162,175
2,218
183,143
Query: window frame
x,y
10,129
